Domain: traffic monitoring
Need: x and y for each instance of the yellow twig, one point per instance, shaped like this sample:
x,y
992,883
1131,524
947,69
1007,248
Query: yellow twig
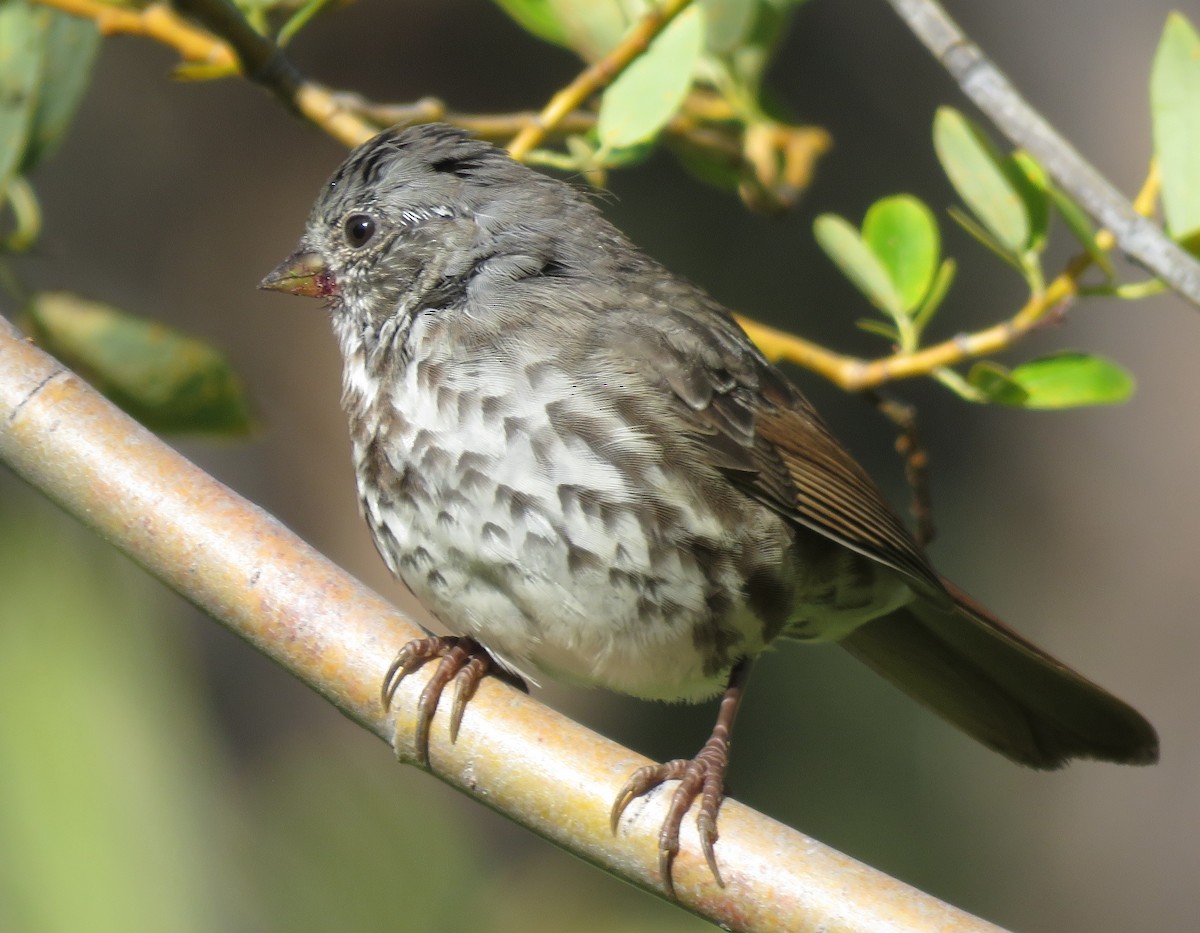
x,y
197,46
856,374
596,76
156,21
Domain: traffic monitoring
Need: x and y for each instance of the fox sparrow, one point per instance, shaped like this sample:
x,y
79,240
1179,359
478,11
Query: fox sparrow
x,y
581,465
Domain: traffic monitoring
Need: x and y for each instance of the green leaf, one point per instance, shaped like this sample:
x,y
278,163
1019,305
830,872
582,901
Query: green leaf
x,y
1175,108
728,23
593,27
942,280
846,247
539,17
649,92
1032,185
1081,228
982,179
982,235
108,807
879,328
168,381
70,45
996,384
902,233
21,54
1070,379
741,38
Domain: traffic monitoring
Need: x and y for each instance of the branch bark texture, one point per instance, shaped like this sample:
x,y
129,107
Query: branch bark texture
x,y
513,754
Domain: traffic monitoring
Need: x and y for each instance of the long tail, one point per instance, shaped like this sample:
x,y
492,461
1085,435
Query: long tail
x,y
970,668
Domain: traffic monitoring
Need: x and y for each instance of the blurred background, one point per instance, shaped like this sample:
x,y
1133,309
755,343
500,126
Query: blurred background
x,y
158,774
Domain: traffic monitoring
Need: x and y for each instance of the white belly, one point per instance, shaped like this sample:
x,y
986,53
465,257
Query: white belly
x,y
528,538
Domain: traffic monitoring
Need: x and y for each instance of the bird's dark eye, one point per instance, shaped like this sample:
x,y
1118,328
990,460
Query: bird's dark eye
x,y
358,230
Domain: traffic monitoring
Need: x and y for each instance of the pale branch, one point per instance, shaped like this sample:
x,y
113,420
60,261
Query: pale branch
x,y
995,95
513,754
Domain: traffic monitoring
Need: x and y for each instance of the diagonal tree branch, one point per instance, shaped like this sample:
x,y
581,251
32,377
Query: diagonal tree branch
x,y
513,754
995,95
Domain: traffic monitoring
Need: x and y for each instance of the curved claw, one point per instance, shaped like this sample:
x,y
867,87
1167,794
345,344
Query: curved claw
x,y
702,777
466,682
463,660
641,782
409,658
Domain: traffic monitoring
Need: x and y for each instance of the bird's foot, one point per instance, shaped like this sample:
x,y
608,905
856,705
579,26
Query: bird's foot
x,y
701,777
462,660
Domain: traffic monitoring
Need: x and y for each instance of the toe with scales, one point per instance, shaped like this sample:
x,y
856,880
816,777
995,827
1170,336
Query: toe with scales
x,y
701,778
461,660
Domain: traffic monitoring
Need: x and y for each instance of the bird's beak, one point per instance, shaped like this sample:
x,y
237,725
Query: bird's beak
x,y
302,273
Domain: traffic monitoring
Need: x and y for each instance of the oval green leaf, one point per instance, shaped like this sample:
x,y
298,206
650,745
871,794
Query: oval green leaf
x,y
21,54
167,380
1032,185
1070,379
70,45
858,262
1081,228
728,23
539,17
996,384
1175,109
903,234
979,175
649,92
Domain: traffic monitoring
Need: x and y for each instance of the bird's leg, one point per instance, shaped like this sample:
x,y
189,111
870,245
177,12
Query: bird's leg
x,y
702,777
463,660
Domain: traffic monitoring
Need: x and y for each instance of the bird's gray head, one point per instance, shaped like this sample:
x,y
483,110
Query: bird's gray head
x,y
414,217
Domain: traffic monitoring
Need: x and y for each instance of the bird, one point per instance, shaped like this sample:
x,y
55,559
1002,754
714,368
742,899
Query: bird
x,y
583,467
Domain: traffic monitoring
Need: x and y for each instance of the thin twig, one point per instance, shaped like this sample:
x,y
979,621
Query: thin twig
x,y
263,62
596,76
341,116
239,49
856,374
156,21
995,95
490,126
916,463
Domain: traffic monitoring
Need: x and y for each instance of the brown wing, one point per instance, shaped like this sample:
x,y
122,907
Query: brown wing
x,y
761,432
831,493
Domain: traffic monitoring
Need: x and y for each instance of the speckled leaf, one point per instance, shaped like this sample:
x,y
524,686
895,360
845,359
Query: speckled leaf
x,y
168,381
646,95
846,247
980,177
1175,106
1070,379
903,235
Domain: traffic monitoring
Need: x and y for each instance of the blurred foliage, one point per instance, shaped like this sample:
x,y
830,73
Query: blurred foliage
x,y
136,817
700,78
109,770
167,380
1175,108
